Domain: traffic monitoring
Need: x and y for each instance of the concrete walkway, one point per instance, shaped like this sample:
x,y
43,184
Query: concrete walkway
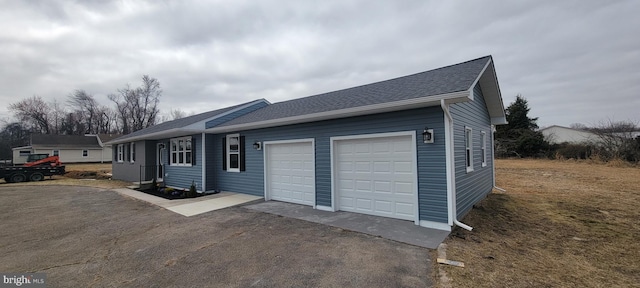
x,y
393,229
192,206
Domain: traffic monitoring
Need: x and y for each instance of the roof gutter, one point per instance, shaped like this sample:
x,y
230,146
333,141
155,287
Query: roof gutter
x,y
157,135
449,152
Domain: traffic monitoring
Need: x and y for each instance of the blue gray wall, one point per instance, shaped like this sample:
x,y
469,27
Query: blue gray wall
x,y
182,176
471,187
431,157
128,171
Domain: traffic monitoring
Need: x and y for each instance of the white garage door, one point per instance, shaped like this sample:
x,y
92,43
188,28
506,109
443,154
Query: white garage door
x,y
290,172
376,176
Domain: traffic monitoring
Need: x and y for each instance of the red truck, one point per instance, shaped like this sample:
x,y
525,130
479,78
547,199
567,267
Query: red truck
x,y
37,167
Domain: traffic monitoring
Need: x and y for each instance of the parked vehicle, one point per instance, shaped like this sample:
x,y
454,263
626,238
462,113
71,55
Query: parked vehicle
x,y
37,167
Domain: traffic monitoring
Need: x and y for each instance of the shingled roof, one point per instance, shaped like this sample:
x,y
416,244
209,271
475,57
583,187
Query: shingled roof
x,y
178,124
64,141
446,80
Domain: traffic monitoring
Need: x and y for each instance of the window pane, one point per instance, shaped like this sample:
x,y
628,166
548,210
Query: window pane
x,y
174,158
468,158
234,162
188,144
188,158
233,144
180,145
180,158
173,145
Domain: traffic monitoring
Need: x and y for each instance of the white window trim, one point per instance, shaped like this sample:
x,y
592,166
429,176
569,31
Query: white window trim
x,y
228,154
468,148
483,150
184,156
132,152
53,152
120,153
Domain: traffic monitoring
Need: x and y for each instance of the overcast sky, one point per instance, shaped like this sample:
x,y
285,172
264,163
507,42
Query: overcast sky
x,y
574,61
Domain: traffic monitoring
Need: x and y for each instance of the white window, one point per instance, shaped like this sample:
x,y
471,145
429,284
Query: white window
x,y
468,140
233,153
181,151
85,153
483,151
120,153
56,152
132,152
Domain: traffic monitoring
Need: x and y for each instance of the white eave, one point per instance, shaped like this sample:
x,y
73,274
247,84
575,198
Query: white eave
x,y
491,92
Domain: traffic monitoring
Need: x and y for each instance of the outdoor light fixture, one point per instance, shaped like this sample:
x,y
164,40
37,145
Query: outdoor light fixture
x,y
427,135
257,145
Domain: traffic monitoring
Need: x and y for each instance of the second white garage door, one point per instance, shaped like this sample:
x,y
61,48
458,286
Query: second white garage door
x,y
290,172
376,176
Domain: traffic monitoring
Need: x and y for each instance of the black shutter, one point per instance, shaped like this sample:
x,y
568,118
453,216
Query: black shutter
x,y
224,153
125,150
242,168
193,151
114,149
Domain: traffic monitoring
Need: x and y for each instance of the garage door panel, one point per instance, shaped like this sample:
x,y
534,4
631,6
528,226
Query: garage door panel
x,y
376,176
290,172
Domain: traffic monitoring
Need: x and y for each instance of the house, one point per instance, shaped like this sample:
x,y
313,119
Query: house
x,y
558,134
70,148
418,147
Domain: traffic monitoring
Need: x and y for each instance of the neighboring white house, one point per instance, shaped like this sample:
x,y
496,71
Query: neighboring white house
x,y
558,134
70,148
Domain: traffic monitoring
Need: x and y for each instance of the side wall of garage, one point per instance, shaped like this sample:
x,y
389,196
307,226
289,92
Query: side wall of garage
x,y
472,186
431,157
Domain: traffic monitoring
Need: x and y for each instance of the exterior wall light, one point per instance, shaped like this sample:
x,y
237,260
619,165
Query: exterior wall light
x,y
257,145
427,135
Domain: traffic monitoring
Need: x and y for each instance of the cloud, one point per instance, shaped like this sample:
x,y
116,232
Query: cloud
x,y
574,61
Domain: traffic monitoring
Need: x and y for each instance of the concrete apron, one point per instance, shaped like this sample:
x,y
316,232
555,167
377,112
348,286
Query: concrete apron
x,y
388,228
192,206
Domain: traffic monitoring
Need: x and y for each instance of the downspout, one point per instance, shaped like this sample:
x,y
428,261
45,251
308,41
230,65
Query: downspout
x,y
451,187
204,163
493,157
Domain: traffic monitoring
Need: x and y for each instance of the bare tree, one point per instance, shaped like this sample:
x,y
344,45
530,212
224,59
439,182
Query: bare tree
x,y
618,140
86,108
137,108
34,112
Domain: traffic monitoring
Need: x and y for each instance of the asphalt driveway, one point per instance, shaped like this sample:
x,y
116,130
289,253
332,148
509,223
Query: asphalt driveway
x,y
91,237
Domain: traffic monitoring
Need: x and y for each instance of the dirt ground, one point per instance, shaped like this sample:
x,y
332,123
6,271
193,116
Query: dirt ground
x,y
92,237
559,224
89,175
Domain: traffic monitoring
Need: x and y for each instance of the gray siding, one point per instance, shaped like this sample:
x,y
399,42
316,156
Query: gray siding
x,y
431,157
473,186
128,171
182,176
231,116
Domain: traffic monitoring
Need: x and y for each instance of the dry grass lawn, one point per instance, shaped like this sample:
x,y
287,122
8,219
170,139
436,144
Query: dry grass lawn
x,y
560,224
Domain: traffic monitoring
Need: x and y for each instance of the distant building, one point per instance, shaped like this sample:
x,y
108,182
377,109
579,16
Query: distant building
x,y
558,134
70,148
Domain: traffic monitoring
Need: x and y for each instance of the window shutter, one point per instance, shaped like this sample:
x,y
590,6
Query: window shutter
x,y
242,168
114,149
193,151
224,153
125,150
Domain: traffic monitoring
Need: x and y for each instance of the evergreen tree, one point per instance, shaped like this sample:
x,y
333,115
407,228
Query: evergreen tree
x,y
519,137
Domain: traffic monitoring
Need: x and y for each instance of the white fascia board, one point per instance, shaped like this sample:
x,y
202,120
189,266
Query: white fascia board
x,y
23,147
159,135
460,96
499,120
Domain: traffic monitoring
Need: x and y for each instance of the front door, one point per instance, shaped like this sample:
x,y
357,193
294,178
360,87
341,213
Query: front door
x,y
159,161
